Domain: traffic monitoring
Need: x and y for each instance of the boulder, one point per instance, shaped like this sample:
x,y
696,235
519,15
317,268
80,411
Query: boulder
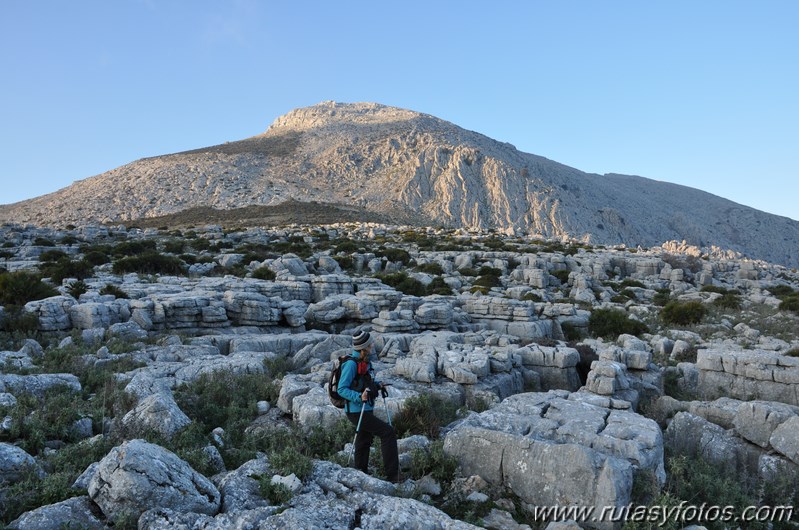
x,y
137,476
240,488
521,443
15,463
157,412
77,512
37,384
756,420
785,439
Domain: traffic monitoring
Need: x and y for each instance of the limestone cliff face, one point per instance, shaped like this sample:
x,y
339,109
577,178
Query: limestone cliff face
x,y
415,166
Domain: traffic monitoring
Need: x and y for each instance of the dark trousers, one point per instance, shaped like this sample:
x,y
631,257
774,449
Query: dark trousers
x,y
371,427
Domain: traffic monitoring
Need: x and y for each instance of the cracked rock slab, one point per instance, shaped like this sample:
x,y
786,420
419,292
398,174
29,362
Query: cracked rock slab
x,y
137,476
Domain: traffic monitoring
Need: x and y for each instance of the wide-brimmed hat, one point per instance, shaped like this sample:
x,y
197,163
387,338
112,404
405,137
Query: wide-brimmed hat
x,y
361,340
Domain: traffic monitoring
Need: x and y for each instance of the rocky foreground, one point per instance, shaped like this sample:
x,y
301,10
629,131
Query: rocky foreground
x,y
580,375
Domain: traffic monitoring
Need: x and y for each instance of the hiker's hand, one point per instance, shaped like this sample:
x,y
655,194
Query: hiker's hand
x,y
365,395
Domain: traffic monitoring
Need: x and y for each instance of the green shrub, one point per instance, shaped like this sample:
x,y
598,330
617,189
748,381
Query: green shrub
x,y
438,286
433,461
728,301
430,268
425,414
277,494
394,254
793,352
345,262
532,297
264,273
21,287
790,303
781,290
43,242
149,263
112,289
223,399
287,460
403,283
610,323
77,288
571,332
52,255
66,268
346,247
488,280
683,313
174,246
467,271
37,420
96,258
34,491
662,297
16,320
562,275
134,248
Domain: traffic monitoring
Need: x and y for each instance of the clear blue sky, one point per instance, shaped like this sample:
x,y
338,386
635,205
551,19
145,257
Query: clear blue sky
x,y
702,93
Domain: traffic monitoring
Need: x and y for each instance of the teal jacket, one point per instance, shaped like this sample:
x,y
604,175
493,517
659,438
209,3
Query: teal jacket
x,y
352,392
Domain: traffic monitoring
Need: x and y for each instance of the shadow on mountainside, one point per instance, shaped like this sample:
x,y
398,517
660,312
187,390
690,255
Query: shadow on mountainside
x,y
290,212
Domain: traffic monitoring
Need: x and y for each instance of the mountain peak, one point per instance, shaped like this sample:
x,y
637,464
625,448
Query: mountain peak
x,y
405,165
334,113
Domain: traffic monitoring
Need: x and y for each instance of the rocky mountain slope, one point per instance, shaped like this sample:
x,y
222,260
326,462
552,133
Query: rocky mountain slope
x,y
413,166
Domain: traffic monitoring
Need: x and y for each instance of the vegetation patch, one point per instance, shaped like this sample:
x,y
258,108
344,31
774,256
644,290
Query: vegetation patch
x,y
610,323
683,313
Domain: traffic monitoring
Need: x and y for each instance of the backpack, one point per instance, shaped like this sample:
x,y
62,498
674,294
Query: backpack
x,y
335,375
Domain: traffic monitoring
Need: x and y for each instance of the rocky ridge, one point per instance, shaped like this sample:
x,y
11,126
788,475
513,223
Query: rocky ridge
x,y
545,420
415,168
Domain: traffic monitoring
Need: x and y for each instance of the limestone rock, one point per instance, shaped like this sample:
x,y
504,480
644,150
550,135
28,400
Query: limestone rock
x,y
137,476
785,439
75,512
159,413
14,463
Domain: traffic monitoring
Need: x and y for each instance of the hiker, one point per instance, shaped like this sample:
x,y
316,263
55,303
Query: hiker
x,y
358,387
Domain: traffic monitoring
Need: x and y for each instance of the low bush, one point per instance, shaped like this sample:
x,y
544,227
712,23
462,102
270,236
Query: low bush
x,y
683,313
43,242
467,271
66,268
394,255
77,288
150,262
264,273
17,321
19,288
610,323
532,297
52,255
96,258
430,268
488,280
662,297
425,414
433,461
277,494
438,286
112,289
134,248
345,262
729,301
37,420
174,246
562,275
404,283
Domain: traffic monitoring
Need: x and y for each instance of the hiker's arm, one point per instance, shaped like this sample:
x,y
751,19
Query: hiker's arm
x,y
344,390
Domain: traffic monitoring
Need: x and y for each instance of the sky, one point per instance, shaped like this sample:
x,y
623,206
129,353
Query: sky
x,y
700,93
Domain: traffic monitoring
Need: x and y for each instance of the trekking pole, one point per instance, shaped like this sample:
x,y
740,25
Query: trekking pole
x,y
357,430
